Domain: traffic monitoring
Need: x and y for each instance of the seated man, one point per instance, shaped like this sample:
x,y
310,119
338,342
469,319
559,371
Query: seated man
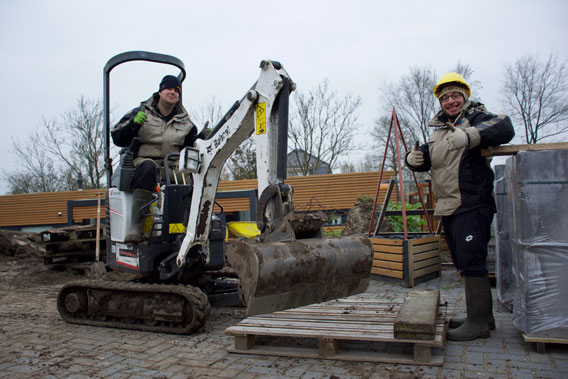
x,y
163,126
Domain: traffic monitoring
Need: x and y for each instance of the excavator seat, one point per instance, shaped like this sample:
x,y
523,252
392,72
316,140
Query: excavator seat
x,y
122,176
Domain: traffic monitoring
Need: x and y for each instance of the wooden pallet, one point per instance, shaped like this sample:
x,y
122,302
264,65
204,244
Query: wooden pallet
x,y
72,233
71,245
345,329
542,341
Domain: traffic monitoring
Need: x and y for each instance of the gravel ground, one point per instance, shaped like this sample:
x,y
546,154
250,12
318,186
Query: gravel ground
x,y
36,343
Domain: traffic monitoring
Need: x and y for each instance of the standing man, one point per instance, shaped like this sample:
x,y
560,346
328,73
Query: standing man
x,y
462,181
164,127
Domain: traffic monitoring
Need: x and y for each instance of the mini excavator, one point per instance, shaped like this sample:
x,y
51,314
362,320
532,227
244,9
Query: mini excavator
x,y
180,266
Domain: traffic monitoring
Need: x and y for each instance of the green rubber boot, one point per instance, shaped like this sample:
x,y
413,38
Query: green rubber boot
x,y
456,322
479,304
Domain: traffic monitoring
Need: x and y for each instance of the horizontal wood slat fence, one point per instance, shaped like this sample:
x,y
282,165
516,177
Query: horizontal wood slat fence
x,y
311,193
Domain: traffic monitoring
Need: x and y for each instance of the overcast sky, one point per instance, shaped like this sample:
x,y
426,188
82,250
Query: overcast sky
x,y
52,52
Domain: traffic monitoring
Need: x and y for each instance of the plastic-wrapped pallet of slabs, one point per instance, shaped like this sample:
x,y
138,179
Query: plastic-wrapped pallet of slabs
x,y
503,253
538,224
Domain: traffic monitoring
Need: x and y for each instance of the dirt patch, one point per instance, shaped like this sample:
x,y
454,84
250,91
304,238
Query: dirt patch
x,y
21,262
14,243
359,217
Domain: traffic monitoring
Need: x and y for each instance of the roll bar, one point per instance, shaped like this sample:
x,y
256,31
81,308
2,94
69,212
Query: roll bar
x,y
118,59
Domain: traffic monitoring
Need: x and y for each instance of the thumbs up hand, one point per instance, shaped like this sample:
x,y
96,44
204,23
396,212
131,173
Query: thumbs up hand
x,y
416,157
458,139
140,118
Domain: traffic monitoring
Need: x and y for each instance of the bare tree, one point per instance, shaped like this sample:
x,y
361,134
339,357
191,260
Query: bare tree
x,y
322,125
242,163
536,96
370,162
348,167
78,142
36,171
207,116
380,134
413,100
60,152
466,71
415,105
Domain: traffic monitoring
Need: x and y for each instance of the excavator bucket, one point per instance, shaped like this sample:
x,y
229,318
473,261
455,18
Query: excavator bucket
x,y
281,275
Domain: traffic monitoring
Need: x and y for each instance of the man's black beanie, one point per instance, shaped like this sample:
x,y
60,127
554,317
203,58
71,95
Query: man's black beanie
x,y
170,81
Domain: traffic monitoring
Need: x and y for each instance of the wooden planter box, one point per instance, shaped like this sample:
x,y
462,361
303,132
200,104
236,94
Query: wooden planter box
x,y
412,261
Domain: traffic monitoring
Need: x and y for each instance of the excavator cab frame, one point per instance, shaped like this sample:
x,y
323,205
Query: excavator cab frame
x,y
112,63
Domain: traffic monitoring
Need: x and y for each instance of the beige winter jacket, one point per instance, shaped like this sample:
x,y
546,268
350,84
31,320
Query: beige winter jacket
x,y
462,179
158,136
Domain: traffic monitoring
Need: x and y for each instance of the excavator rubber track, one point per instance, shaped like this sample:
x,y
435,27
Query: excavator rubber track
x,y
173,309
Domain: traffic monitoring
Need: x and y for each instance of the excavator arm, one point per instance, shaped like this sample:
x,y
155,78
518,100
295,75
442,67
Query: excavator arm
x,y
263,111
290,264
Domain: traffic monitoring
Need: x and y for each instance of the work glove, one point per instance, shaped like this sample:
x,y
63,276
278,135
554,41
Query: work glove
x,y
460,138
457,139
140,118
416,157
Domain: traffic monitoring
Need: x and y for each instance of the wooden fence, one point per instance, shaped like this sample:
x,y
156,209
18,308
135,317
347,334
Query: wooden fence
x,y
311,193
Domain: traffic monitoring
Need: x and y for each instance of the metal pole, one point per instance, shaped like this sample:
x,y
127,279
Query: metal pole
x,y
402,195
380,180
98,234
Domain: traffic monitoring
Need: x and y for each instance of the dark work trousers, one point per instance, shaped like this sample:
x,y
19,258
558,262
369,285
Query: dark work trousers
x,y
146,176
468,235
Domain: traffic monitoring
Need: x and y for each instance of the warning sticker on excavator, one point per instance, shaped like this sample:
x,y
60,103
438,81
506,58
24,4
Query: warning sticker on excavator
x,y
126,255
261,118
177,228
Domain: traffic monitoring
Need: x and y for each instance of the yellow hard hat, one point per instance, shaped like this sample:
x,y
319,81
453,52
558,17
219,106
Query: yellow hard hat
x,y
451,77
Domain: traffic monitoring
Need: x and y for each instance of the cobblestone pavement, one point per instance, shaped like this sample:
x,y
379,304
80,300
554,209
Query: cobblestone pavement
x,y
35,342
